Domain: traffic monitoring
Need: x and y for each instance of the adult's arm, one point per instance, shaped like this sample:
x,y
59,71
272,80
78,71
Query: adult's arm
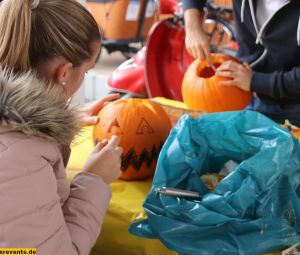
x,y
197,42
277,85
193,4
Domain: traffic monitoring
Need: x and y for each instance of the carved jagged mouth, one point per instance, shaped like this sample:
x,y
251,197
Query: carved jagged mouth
x,y
136,161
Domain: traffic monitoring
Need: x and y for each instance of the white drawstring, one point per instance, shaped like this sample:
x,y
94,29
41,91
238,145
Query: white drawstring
x,y
258,40
34,3
298,32
263,55
243,10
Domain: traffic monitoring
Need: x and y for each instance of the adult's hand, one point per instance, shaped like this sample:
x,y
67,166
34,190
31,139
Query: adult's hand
x,y
240,74
197,42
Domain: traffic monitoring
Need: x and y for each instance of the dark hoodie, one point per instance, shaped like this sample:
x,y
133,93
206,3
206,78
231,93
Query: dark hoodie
x,y
274,54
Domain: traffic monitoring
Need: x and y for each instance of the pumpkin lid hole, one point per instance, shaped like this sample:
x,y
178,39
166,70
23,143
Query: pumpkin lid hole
x,y
207,71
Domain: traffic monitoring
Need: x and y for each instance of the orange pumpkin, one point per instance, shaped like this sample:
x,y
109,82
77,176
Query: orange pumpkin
x,y
201,89
224,3
142,126
296,133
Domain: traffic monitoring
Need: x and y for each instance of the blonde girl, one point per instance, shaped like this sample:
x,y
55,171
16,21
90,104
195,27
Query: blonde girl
x,y
46,47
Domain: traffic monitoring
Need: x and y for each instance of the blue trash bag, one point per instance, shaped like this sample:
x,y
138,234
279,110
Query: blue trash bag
x,y
253,210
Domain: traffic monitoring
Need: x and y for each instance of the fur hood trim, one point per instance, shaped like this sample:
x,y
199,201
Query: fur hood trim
x,y
35,108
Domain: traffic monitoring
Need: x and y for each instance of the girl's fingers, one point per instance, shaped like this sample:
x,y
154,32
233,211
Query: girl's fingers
x,y
118,151
114,141
89,120
105,103
95,108
100,145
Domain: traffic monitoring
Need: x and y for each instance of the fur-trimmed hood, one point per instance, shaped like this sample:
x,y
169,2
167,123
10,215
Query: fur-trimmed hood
x,y
27,106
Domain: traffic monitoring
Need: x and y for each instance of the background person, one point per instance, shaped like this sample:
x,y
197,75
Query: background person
x,y
268,34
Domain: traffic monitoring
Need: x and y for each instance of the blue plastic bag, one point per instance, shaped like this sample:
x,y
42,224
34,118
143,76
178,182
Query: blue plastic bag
x,y
254,209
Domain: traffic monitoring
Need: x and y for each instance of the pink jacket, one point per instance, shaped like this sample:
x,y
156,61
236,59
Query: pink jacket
x,y
38,207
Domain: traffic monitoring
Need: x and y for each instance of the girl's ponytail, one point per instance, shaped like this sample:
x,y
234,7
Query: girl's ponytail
x,y
33,32
15,29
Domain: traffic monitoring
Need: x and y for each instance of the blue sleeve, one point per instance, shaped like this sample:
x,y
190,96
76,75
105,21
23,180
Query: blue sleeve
x,y
193,4
277,84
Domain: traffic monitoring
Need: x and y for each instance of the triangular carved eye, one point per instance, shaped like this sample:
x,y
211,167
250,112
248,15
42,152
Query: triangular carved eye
x,y
144,128
115,128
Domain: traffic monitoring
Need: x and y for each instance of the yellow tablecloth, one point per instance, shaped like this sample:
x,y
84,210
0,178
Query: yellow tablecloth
x,y
125,206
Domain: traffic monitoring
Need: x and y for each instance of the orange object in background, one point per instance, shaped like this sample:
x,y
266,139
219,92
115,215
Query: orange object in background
x,y
142,126
120,19
201,89
223,3
221,36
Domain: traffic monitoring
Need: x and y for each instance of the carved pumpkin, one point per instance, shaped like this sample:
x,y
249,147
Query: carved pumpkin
x,y
201,89
142,126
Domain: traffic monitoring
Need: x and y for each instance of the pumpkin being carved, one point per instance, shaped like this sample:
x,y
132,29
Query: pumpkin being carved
x,y
201,89
142,126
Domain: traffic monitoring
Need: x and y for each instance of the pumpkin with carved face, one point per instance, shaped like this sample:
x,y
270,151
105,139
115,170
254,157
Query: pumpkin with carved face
x,y
142,126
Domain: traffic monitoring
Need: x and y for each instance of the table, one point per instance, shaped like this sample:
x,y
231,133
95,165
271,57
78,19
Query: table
x,y
125,206
126,202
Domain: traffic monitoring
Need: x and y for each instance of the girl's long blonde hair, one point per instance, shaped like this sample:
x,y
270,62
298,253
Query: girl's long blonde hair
x,y
29,36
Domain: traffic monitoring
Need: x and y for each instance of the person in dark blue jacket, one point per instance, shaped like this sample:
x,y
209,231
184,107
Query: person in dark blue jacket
x,y
268,34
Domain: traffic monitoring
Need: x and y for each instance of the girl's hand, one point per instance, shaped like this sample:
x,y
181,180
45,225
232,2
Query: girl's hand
x,y
88,113
240,74
105,160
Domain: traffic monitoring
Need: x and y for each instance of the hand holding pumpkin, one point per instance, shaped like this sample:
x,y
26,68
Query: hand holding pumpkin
x,y
105,160
202,89
88,115
240,74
